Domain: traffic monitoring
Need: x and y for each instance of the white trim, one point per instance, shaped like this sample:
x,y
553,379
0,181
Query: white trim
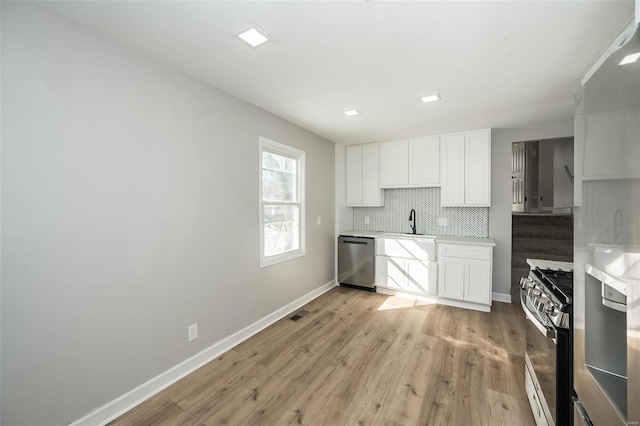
x,y
501,297
114,409
465,305
434,299
266,144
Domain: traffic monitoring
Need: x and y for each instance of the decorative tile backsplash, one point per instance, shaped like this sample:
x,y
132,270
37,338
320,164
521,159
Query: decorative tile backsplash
x,y
394,216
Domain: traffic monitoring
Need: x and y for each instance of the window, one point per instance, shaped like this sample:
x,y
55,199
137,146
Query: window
x,y
281,202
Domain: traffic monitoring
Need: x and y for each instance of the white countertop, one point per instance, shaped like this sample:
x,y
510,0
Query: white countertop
x,y
367,234
439,239
466,240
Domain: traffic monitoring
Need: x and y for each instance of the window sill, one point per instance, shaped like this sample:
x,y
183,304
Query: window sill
x,y
273,260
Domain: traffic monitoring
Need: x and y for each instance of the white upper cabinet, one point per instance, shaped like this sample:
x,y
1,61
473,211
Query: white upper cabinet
x,y
354,175
466,169
424,161
371,192
363,188
477,157
452,151
411,163
394,164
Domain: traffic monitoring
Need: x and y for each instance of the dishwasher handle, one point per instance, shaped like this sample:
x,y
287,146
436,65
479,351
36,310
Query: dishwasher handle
x,y
364,243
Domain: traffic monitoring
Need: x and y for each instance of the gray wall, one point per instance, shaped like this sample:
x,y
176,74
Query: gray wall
x,y
129,211
500,210
562,184
546,174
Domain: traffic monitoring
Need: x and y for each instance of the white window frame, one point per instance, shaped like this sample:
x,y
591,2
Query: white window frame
x,y
274,147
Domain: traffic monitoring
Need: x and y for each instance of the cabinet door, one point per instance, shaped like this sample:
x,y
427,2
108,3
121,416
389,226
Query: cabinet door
x,y
451,278
477,281
421,277
424,161
370,185
477,153
390,273
394,164
452,172
354,175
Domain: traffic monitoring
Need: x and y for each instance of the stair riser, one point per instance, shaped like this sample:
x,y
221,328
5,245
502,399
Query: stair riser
x,y
542,220
543,232
519,260
562,247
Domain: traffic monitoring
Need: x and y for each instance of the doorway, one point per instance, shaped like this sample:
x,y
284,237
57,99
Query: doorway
x,y
542,176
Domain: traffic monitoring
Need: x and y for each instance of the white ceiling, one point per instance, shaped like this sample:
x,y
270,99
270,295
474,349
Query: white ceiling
x,y
495,64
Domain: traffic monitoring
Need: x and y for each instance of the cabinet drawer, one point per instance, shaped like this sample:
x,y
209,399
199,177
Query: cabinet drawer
x,y
407,248
465,251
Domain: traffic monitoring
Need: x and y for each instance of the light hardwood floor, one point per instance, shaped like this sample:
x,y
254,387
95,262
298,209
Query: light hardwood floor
x,y
358,358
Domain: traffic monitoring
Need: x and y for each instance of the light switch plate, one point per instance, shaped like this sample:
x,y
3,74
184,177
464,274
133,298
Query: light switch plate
x,y
319,220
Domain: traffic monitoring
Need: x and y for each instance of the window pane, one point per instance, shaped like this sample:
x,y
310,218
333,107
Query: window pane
x,y
277,162
278,186
281,229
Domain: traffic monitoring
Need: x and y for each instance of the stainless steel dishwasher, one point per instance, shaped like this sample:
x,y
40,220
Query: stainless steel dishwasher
x,y
357,262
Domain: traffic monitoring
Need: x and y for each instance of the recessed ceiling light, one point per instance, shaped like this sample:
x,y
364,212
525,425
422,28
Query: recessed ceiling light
x,y
252,36
629,59
430,98
351,112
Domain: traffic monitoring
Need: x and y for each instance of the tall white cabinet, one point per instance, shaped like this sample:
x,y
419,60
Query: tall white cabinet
x,y
466,169
363,188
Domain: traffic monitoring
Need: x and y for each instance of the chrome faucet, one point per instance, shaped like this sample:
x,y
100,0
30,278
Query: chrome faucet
x,y
412,217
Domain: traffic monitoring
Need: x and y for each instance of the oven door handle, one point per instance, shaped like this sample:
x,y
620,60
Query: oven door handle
x,y
545,330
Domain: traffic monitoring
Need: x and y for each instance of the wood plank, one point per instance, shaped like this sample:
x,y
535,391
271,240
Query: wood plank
x,y
359,358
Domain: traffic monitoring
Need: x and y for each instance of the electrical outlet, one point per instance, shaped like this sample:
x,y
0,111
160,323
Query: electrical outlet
x,y
319,220
193,332
366,220
443,221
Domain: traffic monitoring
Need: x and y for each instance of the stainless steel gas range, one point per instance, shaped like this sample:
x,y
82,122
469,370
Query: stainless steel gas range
x,y
546,298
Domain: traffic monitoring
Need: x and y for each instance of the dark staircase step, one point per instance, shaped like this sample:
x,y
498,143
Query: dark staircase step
x,y
519,260
517,273
542,220
553,232
550,246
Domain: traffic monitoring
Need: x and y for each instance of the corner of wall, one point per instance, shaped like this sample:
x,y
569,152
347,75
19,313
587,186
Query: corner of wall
x,y
344,214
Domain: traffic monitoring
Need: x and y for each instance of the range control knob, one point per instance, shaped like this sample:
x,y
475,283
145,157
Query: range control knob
x,y
549,308
541,302
526,283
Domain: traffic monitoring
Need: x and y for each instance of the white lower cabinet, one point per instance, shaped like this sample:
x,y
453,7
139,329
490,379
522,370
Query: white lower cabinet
x,y
407,264
410,275
465,272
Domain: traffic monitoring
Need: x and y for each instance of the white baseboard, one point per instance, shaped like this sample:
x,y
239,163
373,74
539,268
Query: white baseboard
x,y
129,400
465,305
501,297
435,299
